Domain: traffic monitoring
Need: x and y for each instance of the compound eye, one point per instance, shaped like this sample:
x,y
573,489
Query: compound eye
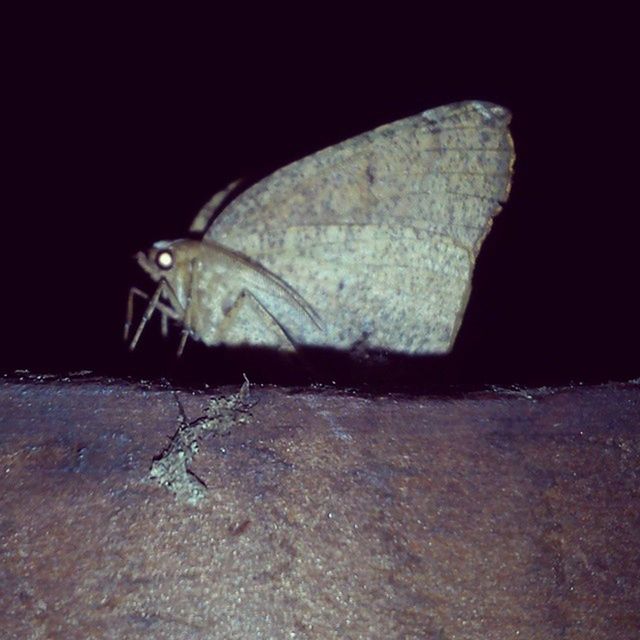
x,y
164,259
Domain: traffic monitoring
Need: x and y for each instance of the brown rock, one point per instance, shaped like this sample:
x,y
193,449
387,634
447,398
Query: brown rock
x,y
327,515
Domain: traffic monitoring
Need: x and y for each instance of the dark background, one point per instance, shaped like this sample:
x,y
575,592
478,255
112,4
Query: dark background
x,y
121,126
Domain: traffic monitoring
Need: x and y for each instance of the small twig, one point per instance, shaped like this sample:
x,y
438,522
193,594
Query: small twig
x,y
170,469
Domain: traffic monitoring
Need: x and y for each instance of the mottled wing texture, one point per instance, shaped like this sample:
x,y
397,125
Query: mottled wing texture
x,y
380,233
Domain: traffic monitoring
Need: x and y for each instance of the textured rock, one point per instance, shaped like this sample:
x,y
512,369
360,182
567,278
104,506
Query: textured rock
x,y
500,514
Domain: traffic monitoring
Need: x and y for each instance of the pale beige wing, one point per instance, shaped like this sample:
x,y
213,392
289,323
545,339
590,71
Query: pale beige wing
x,y
379,234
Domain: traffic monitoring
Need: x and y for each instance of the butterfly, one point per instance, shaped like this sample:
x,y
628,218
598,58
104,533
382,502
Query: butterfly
x,y
367,244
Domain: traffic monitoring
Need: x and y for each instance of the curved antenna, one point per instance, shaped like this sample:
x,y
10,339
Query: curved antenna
x,y
205,216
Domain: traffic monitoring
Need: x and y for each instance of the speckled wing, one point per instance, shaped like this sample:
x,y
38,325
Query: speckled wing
x,y
379,234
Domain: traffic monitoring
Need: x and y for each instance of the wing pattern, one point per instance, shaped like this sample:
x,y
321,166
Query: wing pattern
x,y
379,234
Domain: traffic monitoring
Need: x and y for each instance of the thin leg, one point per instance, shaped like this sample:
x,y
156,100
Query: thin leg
x,y
164,325
134,291
165,289
186,327
148,312
166,311
247,298
183,341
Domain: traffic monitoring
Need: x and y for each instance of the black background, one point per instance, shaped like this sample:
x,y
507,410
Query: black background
x,y
120,127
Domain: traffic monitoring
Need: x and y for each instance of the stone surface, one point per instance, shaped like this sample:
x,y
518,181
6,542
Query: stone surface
x,y
500,514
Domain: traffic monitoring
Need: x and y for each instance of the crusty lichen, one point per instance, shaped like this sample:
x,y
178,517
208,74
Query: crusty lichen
x,y
171,468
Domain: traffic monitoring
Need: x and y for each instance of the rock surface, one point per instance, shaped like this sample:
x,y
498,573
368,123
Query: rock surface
x,y
499,514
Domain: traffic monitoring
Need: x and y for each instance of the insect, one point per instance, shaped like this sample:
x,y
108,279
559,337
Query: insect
x,y
370,243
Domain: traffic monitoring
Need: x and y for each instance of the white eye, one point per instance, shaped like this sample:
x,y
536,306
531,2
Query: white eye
x,y
164,259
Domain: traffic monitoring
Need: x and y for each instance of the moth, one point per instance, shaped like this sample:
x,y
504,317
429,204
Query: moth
x,y
370,243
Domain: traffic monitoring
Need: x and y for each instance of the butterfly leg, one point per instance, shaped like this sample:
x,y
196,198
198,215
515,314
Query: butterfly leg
x,y
186,318
176,312
247,302
166,311
133,292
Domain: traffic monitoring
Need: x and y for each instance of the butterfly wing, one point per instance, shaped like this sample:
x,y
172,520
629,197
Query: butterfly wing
x,y
379,234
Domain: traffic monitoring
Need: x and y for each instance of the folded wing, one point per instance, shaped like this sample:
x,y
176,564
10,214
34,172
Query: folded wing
x,y
379,234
